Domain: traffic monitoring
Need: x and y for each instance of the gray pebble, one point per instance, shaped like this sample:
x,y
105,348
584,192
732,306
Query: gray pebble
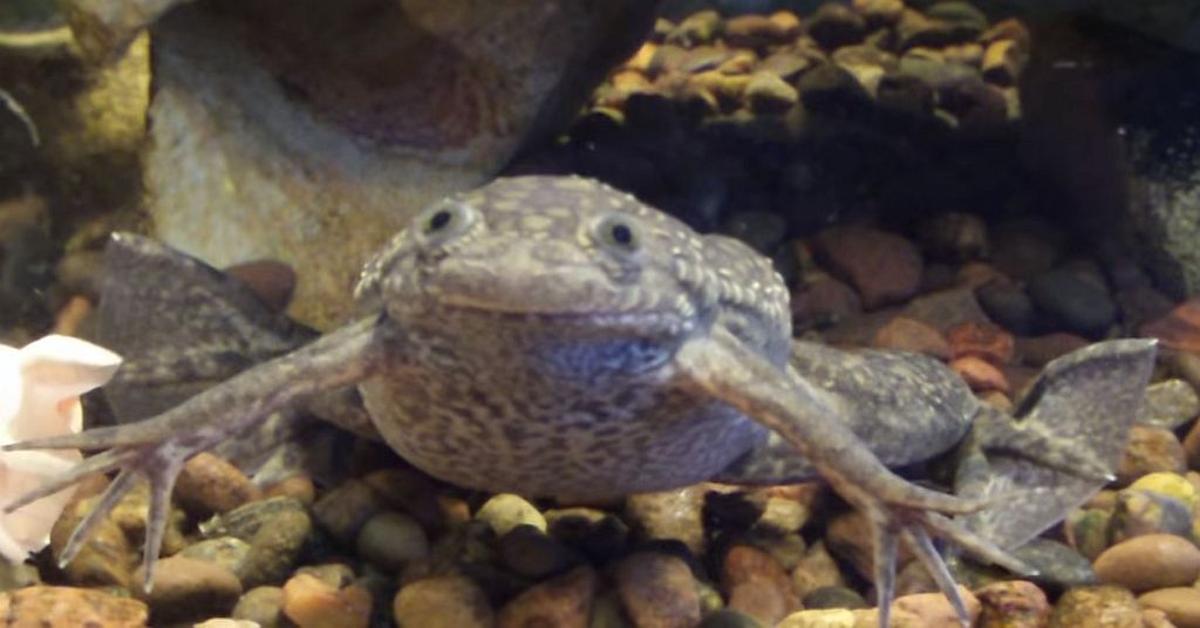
x,y
245,521
1140,512
1057,564
830,89
227,551
1008,305
392,539
1072,303
835,25
961,14
834,597
729,618
263,605
18,576
275,547
530,552
1170,404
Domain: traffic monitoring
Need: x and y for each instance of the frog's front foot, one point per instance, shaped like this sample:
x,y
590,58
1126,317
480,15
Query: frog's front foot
x,y
809,419
159,462
158,447
916,525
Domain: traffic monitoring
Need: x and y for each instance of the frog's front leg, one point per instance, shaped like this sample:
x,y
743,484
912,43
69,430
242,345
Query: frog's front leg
x,y
157,448
722,367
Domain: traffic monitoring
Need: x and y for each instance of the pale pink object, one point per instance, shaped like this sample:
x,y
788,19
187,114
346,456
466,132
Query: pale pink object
x,y
39,396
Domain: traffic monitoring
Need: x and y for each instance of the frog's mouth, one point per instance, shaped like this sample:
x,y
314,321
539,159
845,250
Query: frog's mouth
x,y
632,322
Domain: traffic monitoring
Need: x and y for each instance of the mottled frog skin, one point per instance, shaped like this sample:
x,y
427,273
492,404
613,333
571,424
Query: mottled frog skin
x,y
552,336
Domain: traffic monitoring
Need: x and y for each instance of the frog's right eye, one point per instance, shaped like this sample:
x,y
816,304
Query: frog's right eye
x,y
444,221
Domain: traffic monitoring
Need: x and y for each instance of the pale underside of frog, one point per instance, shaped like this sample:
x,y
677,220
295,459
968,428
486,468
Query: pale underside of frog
x,y
551,336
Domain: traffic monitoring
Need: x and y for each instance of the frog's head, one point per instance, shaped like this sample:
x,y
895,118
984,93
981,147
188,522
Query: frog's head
x,y
574,256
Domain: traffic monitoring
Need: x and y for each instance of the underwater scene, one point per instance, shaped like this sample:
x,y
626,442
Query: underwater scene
x,y
621,314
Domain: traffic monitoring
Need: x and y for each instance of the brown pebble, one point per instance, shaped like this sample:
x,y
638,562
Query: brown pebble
x,y
935,610
1003,61
756,585
345,509
313,603
1150,561
67,606
1150,449
71,315
271,281
905,334
675,514
1037,351
563,602
1179,329
1013,604
884,267
979,374
1154,618
823,618
1181,604
767,93
1184,365
1109,606
982,340
188,589
299,487
451,601
262,605
1191,446
977,274
817,569
408,490
1010,28
997,400
210,484
848,535
822,300
658,590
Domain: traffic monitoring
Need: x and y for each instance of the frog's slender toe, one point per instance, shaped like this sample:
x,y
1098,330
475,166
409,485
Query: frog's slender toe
x,y
161,465
884,554
919,542
113,494
98,438
916,528
100,463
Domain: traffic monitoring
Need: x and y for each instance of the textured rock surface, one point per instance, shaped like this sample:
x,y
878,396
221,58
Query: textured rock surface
x,y
296,147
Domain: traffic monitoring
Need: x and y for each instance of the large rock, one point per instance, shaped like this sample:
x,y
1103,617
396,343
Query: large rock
x,y
1118,138
309,132
1176,22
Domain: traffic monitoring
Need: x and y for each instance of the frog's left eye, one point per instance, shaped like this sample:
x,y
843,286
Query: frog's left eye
x,y
444,221
618,233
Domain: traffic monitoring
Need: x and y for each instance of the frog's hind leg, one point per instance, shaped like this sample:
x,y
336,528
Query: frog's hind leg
x,y
1083,404
180,325
723,368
